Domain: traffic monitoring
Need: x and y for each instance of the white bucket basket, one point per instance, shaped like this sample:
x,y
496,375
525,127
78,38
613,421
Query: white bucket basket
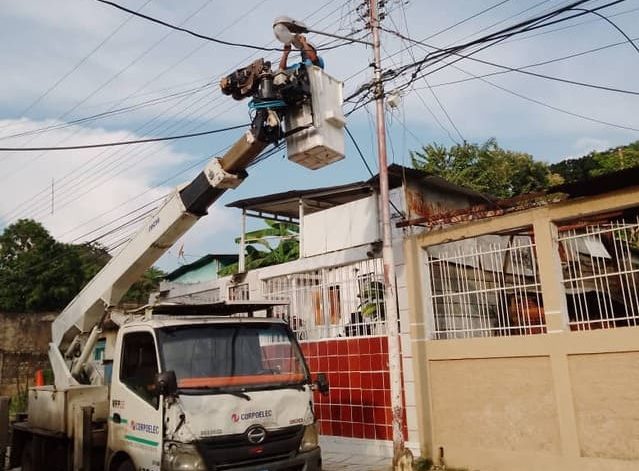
x,y
322,143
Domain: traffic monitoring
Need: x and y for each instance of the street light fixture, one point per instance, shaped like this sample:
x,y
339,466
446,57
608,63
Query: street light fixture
x,y
285,28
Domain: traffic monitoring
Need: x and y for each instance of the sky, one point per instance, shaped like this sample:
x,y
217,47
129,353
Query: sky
x,y
66,60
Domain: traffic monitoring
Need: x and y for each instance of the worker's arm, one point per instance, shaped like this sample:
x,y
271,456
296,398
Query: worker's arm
x,y
308,49
284,59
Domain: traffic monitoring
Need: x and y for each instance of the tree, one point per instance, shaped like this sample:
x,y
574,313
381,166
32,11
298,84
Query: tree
x,y
486,168
36,272
598,163
141,289
261,253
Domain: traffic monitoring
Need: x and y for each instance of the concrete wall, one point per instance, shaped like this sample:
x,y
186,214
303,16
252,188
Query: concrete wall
x,y
561,400
24,339
566,401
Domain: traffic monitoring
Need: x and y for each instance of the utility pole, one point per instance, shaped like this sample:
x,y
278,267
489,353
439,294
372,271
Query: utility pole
x,y
390,294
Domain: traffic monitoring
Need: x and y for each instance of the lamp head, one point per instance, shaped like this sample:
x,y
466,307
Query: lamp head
x,y
285,28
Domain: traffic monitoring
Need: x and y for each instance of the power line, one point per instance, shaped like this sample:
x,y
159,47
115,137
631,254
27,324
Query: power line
x,y
359,151
121,143
79,63
149,154
547,105
110,113
526,25
485,10
191,32
612,23
536,64
439,102
530,24
519,69
187,31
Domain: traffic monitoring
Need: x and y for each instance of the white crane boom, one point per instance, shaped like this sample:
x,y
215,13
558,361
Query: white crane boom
x,y
309,119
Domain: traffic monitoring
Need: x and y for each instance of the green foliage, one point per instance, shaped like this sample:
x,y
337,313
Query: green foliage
x,y
486,168
261,253
372,300
598,163
141,289
37,273
19,402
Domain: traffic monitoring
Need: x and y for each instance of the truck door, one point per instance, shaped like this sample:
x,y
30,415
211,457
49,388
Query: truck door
x,y
136,415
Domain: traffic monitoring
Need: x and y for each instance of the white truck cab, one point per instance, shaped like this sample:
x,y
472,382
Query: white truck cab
x,y
210,393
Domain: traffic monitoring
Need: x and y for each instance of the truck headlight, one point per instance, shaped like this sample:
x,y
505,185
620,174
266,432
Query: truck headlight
x,y
182,457
310,439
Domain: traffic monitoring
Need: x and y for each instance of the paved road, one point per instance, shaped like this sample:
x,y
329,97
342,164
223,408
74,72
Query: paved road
x,y
332,461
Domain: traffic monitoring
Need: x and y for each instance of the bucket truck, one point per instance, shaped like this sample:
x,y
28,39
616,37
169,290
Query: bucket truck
x,y
188,387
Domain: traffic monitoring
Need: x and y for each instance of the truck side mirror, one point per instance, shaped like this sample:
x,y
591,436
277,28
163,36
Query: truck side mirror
x,y
321,384
165,383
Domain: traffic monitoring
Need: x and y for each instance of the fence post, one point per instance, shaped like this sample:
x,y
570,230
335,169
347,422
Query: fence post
x,y
550,274
4,429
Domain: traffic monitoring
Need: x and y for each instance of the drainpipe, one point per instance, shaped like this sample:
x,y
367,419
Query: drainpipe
x,y
242,261
301,228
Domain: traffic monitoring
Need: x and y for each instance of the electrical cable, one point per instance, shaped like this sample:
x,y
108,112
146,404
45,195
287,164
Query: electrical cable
x,y
485,10
547,105
78,64
122,143
439,102
191,32
536,64
612,23
108,114
187,31
519,69
313,13
530,24
361,155
359,151
527,25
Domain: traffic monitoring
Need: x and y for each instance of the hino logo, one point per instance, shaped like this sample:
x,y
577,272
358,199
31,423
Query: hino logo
x,y
256,435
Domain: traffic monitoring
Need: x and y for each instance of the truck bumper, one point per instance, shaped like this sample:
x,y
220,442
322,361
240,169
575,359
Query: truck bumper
x,y
309,461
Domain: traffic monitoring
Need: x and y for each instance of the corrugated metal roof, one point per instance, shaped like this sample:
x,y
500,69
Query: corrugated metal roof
x,y
286,204
601,184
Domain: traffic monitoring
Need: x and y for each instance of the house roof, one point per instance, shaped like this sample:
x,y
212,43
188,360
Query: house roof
x,y
200,262
286,204
600,184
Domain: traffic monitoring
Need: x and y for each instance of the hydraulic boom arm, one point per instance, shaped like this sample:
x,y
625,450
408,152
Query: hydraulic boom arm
x,y
310,122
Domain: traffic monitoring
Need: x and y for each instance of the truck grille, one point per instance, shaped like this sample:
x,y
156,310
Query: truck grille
x,y
231,451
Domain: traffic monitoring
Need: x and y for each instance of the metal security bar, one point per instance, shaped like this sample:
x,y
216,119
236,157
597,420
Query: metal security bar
x,y
484,286
346,301
601,274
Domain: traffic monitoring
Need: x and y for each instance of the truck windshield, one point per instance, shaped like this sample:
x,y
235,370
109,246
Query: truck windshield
x,y
235,357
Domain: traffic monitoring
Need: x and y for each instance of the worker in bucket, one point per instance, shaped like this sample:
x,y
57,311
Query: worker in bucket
x,y
307,51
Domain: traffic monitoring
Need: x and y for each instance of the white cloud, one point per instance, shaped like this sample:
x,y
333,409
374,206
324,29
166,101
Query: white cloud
x,y
586,145
87,183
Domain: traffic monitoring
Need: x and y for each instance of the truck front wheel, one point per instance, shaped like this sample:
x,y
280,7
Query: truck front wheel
x,y
126,466
27,457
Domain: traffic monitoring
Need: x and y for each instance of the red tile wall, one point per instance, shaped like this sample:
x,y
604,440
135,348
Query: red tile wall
x,y
358,404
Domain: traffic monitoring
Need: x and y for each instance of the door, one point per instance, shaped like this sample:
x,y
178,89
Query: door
x,y
136,415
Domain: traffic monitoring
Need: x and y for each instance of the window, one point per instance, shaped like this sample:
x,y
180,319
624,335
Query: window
x,y
139,365
219,357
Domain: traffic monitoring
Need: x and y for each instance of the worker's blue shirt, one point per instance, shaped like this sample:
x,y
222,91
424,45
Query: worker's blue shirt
x,y
307,63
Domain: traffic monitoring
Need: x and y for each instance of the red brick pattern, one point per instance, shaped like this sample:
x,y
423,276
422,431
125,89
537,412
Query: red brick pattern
x,y
358,404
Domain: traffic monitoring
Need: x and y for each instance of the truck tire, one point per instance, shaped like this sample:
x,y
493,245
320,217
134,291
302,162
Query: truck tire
x,y
126,466
26,460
